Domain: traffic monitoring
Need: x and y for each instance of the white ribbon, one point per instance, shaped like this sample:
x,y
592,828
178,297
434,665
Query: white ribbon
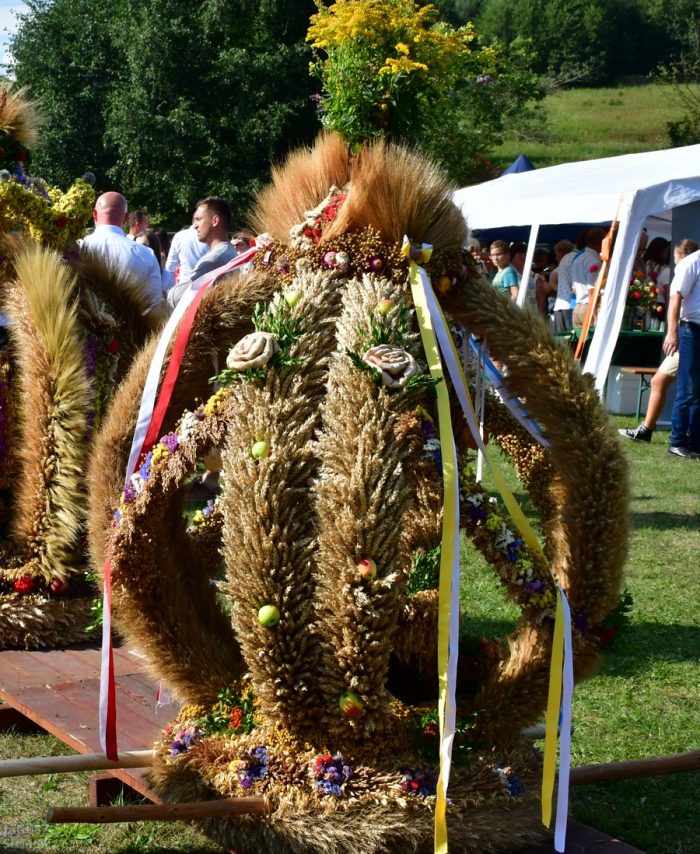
x,y
564,732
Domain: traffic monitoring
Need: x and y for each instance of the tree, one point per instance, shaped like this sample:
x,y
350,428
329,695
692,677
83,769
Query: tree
x,y
390,68
608,39
167,102
63,51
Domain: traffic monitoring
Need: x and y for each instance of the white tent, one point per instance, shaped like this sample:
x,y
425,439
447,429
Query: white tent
x,y
631,188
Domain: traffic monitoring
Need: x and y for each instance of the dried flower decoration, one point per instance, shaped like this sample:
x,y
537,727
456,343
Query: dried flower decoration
x,y
252,351
395,366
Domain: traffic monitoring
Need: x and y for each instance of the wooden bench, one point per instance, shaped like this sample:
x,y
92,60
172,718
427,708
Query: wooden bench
x,y
645,375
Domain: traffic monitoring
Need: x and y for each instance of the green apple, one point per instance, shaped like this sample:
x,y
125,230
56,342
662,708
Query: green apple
x,y
268,616
260,450
291,297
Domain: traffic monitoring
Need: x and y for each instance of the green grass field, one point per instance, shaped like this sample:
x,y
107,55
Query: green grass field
x,y
583,124
645,701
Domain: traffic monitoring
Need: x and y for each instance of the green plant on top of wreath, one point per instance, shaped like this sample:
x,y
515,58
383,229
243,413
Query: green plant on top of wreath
x,y
276,330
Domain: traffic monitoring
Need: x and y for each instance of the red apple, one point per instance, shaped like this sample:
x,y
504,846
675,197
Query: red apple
x,y
351,705
367,569
58,587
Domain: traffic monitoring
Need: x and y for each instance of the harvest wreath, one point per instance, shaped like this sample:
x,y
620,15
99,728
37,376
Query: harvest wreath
x,y
72,333
331,505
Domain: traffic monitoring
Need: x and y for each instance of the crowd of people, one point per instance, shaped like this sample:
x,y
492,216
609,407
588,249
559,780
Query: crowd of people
x,y
563,280
167,267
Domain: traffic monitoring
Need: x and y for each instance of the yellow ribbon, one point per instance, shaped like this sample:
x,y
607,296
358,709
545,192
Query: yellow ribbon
x,y
552,719
446,594
519,519
447,554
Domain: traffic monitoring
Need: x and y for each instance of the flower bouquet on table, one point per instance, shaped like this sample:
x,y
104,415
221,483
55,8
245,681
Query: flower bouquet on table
x,y
641,304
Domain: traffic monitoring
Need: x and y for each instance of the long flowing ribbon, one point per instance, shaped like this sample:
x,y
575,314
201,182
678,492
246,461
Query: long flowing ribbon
x,y
459,383
514,406
559,708
565,727
148,424
562,666
448,600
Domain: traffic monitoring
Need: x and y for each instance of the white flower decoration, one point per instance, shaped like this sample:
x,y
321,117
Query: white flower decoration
x,y
504,538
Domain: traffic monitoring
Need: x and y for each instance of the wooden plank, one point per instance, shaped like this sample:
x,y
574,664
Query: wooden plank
x,y
581,839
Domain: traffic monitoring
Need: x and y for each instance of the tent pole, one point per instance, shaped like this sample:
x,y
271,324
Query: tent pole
x,y
529,255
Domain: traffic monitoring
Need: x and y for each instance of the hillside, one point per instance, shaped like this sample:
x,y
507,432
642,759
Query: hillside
x,y
582,124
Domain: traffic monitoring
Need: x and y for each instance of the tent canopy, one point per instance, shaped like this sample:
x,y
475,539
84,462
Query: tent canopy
x,y
630,188
521,164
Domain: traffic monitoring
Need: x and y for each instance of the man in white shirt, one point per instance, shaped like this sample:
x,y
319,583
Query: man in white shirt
x,y
138,222
683,336
584,272
185,251
211,221
110,243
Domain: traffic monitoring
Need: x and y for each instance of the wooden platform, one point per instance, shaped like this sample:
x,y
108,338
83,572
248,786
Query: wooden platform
x,y
58,691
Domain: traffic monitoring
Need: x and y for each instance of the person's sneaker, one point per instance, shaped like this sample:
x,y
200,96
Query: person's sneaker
x,y
638,434
680,451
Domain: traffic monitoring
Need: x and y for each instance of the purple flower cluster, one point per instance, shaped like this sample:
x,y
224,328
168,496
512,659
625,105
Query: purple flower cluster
x,y
145,467
513,549
170,441
209,509
253,767
484,80
330,774
184,739
129,493
535,586
476,514
421,782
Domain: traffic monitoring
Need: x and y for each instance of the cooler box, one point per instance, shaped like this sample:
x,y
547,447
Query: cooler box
x,y
621,392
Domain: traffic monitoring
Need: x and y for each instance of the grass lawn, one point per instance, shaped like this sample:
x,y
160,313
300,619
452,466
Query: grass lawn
x,y
584,124
644,702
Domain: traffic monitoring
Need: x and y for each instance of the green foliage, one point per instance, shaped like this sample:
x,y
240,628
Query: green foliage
x,y
63,51
279,320
390,68
592,41
684,74
426,731
392,329
425,571
165,102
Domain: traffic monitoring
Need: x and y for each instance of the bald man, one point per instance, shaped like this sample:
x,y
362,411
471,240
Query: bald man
x,y
113,246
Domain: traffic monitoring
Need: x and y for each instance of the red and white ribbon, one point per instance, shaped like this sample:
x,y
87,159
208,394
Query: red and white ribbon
x,y
148,426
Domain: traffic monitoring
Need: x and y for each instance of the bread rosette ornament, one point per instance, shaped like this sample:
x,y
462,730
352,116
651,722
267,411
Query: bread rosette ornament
x,y
395,366
252,351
